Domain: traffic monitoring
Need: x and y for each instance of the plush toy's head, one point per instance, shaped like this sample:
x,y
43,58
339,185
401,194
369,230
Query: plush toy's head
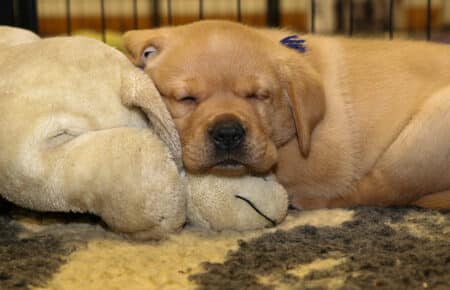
x,y
68,143
72,138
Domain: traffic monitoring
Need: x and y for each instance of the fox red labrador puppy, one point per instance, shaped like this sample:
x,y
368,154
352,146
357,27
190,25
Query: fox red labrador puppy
x,y
343,122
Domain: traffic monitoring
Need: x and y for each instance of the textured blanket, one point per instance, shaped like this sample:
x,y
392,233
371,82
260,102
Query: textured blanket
x,y
364,248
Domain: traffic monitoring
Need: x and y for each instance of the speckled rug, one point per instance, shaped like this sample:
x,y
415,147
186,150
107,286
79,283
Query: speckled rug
x,y
365,248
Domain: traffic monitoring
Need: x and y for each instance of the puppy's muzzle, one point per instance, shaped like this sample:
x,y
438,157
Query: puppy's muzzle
x,y
227,135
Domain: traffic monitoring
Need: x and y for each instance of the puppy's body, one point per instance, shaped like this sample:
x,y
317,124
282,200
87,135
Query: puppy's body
x,y
372,117
385,137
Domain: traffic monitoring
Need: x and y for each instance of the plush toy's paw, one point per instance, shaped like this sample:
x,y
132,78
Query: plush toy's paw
x,y
237,203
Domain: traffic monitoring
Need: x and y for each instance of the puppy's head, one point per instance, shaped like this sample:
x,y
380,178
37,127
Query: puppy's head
x,y
235,94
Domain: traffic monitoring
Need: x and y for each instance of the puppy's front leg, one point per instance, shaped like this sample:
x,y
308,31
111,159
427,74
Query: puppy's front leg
x,y
316,202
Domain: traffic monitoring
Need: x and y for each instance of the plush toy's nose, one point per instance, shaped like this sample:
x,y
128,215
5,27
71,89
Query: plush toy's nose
x,y
227,135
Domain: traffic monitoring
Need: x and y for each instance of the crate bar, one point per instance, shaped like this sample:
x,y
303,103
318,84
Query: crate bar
x,y
238,9
391,19
7,12
350,30
26,14
200,9
68,18
169,12
155,14
135,15
340,16
313,16
103,19
273,13
428,19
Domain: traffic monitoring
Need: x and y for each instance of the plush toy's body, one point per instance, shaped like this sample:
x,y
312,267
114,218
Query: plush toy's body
x,y
69,144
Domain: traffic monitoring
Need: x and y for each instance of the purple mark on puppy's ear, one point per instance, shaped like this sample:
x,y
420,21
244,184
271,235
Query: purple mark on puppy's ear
x,y
294,42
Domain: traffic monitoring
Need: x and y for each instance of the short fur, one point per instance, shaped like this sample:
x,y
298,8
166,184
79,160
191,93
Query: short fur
x,y
372,117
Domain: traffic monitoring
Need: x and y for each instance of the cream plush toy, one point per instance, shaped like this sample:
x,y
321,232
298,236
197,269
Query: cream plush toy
x,y
72,140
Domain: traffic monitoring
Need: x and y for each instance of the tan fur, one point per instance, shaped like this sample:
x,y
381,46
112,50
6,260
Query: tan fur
x,y
372,116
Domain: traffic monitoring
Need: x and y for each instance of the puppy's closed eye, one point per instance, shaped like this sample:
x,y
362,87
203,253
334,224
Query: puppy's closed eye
x,y
148,52
181,106
257,96
188,100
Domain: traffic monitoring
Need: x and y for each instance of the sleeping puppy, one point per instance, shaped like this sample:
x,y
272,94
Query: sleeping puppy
x,y
343,122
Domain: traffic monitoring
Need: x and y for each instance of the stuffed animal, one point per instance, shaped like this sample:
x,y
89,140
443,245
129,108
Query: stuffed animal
x,y
71,139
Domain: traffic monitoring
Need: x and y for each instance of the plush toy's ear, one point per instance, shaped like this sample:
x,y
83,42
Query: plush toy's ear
x,y
306,96
142,46
137,90
10,36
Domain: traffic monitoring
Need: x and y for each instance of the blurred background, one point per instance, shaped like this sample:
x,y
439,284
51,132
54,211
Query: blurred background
x,y
107,19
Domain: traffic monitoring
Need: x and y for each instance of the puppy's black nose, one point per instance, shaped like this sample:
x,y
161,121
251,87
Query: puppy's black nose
x,y
227,135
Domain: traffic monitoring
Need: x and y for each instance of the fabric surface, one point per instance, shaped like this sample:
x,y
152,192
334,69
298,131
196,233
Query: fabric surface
x,y
365,248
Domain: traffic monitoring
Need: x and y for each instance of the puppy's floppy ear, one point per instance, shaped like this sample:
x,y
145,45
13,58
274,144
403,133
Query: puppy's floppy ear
x,y
306,95
141,45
